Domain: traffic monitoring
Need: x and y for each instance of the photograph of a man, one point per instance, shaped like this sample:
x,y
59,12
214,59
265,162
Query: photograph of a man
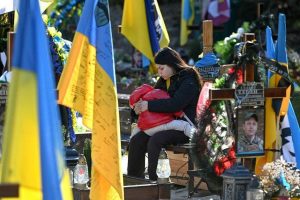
x,y
249,141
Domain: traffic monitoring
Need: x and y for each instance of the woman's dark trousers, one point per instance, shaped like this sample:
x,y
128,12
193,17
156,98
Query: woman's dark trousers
x,y
142,143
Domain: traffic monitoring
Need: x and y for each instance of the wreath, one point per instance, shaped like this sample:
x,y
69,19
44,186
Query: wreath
x,y
214,141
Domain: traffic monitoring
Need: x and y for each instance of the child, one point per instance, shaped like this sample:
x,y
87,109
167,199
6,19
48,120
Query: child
x,y
151,122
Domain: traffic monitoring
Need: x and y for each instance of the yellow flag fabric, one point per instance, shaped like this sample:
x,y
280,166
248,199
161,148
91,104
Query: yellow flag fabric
x,y
135,27
270,133
88,85
24,150
270,115
285,100
187,18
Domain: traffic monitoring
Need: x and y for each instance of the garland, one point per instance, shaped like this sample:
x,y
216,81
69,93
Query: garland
x,y
59,49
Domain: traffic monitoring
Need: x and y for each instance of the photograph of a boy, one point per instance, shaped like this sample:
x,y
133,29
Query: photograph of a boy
x,y
249,140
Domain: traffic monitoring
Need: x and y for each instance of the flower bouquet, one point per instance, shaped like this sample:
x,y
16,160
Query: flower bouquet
x,y
279,176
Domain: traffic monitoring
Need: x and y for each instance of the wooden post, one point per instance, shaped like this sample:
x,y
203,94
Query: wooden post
x,y
249,68
10,43
207,27
259,9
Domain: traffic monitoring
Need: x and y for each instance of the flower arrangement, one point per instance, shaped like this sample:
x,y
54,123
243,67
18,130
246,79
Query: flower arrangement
x,y
294,65
280,175
224,48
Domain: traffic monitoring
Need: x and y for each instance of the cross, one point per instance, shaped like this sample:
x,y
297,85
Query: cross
x,y
248,76
228,94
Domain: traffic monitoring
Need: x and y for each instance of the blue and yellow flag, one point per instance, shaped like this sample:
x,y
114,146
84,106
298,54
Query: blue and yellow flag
x,y
281,105
270,116
88,85
33,153
187,18
144,27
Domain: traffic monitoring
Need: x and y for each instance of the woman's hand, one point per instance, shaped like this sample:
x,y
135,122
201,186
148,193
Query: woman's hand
x,y
140,106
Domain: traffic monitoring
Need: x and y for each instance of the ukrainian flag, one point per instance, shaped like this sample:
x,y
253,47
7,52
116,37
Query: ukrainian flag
x,y
281,105
33,153
284,107
187,18
144,27
88,85
270,116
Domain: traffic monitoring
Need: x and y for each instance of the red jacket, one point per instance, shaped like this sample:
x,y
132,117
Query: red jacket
x,y
148,119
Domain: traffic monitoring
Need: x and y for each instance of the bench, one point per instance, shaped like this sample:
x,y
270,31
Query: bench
x,y
180,149
125,124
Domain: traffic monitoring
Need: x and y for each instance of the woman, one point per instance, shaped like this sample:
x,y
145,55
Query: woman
x,y
183,85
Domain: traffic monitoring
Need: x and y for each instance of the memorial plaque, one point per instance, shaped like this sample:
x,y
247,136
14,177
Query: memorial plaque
x,y
250,94
209,73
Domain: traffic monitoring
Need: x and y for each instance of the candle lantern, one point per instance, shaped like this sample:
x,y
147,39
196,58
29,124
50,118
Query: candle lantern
x,y
81,174
163,170
235,182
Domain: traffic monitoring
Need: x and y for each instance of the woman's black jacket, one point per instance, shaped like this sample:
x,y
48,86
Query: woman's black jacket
x,y
184,90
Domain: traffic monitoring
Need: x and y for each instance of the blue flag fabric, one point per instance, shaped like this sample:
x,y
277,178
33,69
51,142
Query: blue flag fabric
x,y
281,105
270,52
187,10
150,13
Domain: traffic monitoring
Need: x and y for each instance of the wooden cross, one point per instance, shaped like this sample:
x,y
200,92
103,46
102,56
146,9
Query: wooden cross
x,y
228,94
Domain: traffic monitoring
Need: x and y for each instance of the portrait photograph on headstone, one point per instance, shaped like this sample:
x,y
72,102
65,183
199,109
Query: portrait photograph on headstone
x,y
250,132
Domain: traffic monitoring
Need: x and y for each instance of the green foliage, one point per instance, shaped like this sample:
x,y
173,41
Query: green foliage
x,y
224,50
219,82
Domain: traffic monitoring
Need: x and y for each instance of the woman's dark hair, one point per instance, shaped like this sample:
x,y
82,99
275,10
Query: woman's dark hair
x,y
170,57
